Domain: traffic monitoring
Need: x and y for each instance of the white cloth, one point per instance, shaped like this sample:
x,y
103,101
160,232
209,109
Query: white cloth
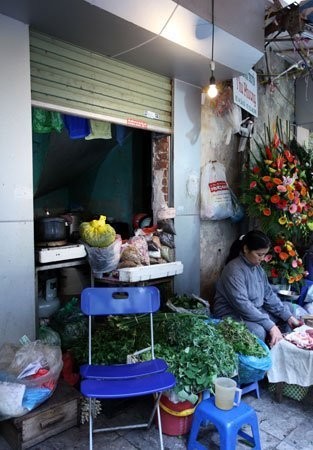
x,y
291,364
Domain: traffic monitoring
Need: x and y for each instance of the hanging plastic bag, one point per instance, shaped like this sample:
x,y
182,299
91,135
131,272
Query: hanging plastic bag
x,y
216,201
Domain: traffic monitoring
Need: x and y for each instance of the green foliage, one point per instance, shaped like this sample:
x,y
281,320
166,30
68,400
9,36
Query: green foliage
x,y
238,335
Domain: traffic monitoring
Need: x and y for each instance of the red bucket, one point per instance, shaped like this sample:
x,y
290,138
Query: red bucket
x,y
176,418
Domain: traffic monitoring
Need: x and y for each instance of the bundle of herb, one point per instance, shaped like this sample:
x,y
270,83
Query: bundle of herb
x,y
242,340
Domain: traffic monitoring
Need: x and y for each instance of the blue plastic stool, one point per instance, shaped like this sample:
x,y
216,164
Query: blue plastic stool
x,y
228,424
250,387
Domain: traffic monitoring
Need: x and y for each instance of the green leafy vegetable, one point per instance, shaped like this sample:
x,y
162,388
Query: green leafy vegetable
x,y
242,340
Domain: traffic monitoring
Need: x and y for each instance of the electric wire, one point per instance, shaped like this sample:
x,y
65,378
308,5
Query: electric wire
x,y
213,33
148,40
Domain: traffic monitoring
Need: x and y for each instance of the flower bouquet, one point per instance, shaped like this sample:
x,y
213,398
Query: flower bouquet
x,y
283,263
276,191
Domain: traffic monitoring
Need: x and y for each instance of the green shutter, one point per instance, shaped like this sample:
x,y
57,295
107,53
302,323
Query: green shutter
x,y
74,80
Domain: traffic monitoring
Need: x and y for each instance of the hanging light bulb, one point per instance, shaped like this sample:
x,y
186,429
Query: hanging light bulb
x,y
212,91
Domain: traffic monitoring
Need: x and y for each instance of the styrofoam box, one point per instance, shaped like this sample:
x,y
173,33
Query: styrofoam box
x,y
143,273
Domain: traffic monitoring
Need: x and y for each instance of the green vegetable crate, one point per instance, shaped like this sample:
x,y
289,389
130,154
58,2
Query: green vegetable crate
x,y
293,391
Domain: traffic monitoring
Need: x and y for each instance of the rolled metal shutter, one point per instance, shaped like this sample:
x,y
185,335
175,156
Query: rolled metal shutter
x,y
73,80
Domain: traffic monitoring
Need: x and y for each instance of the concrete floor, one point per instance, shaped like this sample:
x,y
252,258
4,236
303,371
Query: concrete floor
x,y
285,425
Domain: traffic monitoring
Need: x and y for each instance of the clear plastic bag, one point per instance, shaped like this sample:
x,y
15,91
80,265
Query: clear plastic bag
x,y
28,376
104,259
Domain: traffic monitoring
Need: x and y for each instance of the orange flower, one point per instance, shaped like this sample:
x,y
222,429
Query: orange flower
x,y
303,191
267,212
280,162
277,181
276,140
291,280
266,178
291,195
288,155
292,252
258,199
275,199
283,256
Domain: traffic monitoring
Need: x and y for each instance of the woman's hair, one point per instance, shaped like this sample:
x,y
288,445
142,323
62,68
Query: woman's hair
x,y
254,240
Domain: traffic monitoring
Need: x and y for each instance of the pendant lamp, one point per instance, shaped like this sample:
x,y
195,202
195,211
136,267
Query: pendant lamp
x,y
212,91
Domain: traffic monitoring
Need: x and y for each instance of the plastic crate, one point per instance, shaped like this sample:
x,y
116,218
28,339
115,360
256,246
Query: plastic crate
x,y
293,391
144,273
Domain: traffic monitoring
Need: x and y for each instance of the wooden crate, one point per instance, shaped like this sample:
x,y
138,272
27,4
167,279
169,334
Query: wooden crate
x,y
59,413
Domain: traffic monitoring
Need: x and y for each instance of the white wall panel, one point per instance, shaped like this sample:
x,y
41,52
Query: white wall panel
x,y
16,195
186,168
17,293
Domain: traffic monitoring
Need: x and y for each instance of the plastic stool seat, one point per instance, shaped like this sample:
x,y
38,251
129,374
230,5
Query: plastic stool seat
x,y
228,423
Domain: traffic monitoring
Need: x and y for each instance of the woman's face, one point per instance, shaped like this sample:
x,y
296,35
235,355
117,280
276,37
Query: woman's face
x,y
255,257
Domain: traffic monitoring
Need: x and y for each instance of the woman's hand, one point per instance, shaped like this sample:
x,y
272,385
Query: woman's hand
x,y
275,336
293,322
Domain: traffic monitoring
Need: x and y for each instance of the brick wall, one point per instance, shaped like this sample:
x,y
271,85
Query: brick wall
x,y
160,170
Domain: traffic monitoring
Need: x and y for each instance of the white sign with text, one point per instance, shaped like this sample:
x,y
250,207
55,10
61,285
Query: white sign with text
x,y
245,91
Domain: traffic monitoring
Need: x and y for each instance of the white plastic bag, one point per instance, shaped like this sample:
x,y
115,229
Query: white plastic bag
x,y
216,201
104,259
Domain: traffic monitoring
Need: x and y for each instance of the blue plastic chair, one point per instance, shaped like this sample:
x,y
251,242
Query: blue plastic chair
x,y
228,424
123,380
304,291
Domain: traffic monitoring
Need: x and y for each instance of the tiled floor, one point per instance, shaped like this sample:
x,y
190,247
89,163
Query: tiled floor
x,y
287,425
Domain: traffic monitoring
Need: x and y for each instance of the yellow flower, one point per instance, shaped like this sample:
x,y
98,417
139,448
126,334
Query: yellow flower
x,y
272,170
282,220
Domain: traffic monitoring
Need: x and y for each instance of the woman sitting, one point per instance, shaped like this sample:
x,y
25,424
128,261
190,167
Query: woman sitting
x,y
244,293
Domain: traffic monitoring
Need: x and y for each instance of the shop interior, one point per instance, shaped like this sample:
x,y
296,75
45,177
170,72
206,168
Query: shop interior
x,y
77,180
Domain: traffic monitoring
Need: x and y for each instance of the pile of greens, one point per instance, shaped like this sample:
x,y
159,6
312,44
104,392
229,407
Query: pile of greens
x,y
195,351
241,339
186,301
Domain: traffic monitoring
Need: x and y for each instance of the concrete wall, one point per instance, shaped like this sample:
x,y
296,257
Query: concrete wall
x,y
216,236
274,101
16,189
